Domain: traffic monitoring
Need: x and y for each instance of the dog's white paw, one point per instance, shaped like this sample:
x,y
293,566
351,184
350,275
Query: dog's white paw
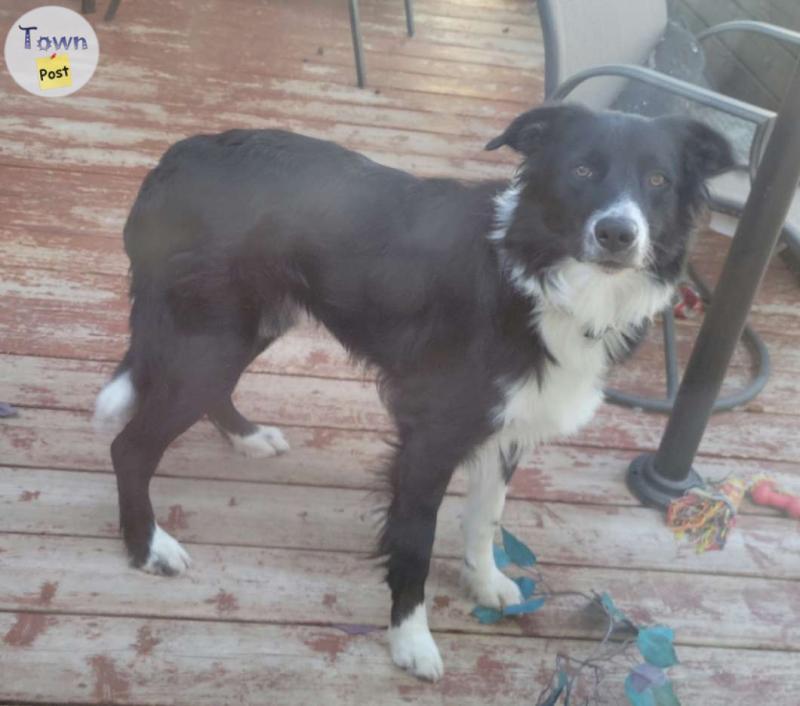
x,y
167,557
262,443
492,589
413,647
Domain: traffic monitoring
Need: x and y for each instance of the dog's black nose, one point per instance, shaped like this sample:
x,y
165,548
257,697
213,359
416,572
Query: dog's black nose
x,y
615,235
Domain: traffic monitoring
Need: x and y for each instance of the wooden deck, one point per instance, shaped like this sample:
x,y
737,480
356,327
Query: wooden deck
x,y
280,581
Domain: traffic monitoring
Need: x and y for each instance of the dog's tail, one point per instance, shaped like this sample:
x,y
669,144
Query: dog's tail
x,y
116,402
150,327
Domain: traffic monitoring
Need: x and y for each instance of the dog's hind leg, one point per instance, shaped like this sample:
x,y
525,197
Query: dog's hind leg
x,y
246,437
196,374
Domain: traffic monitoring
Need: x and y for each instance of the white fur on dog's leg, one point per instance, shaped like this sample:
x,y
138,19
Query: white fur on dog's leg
x,y
485,499
491,587
167,557
114,406
413,647
262,443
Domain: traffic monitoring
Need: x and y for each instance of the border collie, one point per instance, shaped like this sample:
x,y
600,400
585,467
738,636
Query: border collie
x,y
491,311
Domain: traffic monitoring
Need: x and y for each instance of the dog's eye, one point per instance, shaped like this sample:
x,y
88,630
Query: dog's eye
x,y
656,180
582,171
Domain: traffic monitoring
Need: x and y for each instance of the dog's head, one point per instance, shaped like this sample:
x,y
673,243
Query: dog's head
x,y
612,191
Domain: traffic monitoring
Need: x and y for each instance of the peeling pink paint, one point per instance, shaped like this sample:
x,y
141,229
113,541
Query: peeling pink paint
x,y
145,641
318,357
27,628
109,685
177,519
225,602
329,644
322,438
441,602
47,592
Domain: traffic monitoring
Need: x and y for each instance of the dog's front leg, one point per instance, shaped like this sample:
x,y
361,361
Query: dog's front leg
x,y
490,471
419,474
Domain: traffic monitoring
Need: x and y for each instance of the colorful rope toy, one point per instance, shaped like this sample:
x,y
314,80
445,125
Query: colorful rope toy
x,y
705,515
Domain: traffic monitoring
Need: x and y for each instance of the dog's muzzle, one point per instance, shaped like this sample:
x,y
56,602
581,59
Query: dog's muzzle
x,y
615,240
617,237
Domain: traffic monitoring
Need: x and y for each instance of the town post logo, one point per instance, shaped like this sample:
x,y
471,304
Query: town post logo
x,y
51,51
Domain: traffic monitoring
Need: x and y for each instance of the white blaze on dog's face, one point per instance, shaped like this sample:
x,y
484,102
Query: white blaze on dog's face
x,y
610,190
618,235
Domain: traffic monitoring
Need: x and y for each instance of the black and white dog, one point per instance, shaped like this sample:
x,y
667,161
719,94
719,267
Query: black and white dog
x,y
492,311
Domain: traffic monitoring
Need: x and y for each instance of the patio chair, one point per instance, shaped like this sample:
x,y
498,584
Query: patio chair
x,y
593,51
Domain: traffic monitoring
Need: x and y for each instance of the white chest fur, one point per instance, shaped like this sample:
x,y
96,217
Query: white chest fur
x,y
577,299
567,393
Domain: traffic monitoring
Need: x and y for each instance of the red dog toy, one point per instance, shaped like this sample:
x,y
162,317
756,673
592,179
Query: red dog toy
x,y
764,492
690,303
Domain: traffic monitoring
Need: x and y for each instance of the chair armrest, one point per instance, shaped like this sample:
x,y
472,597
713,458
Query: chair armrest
x,y
779,33
698,94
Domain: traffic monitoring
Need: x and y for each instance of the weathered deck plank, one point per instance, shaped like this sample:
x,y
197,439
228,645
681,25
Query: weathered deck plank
x,y
352,404
468,132
318,588
177,662
167,123
440,27
60,439
340,520
414,99
50,141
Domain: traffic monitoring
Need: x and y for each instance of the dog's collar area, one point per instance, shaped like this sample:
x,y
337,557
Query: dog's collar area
x,y
593,335
608,333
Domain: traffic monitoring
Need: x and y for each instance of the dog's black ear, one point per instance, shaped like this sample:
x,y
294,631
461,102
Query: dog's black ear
x,y
528,131
705,151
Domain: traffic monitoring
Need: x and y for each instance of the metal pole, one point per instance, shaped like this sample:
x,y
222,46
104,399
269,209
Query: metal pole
x,y
358,49
657,479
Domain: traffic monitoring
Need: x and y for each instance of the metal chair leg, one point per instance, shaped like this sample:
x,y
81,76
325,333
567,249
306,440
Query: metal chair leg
x,y
670,353
410,17
791,236
758,352
358,49
88,6
111,10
